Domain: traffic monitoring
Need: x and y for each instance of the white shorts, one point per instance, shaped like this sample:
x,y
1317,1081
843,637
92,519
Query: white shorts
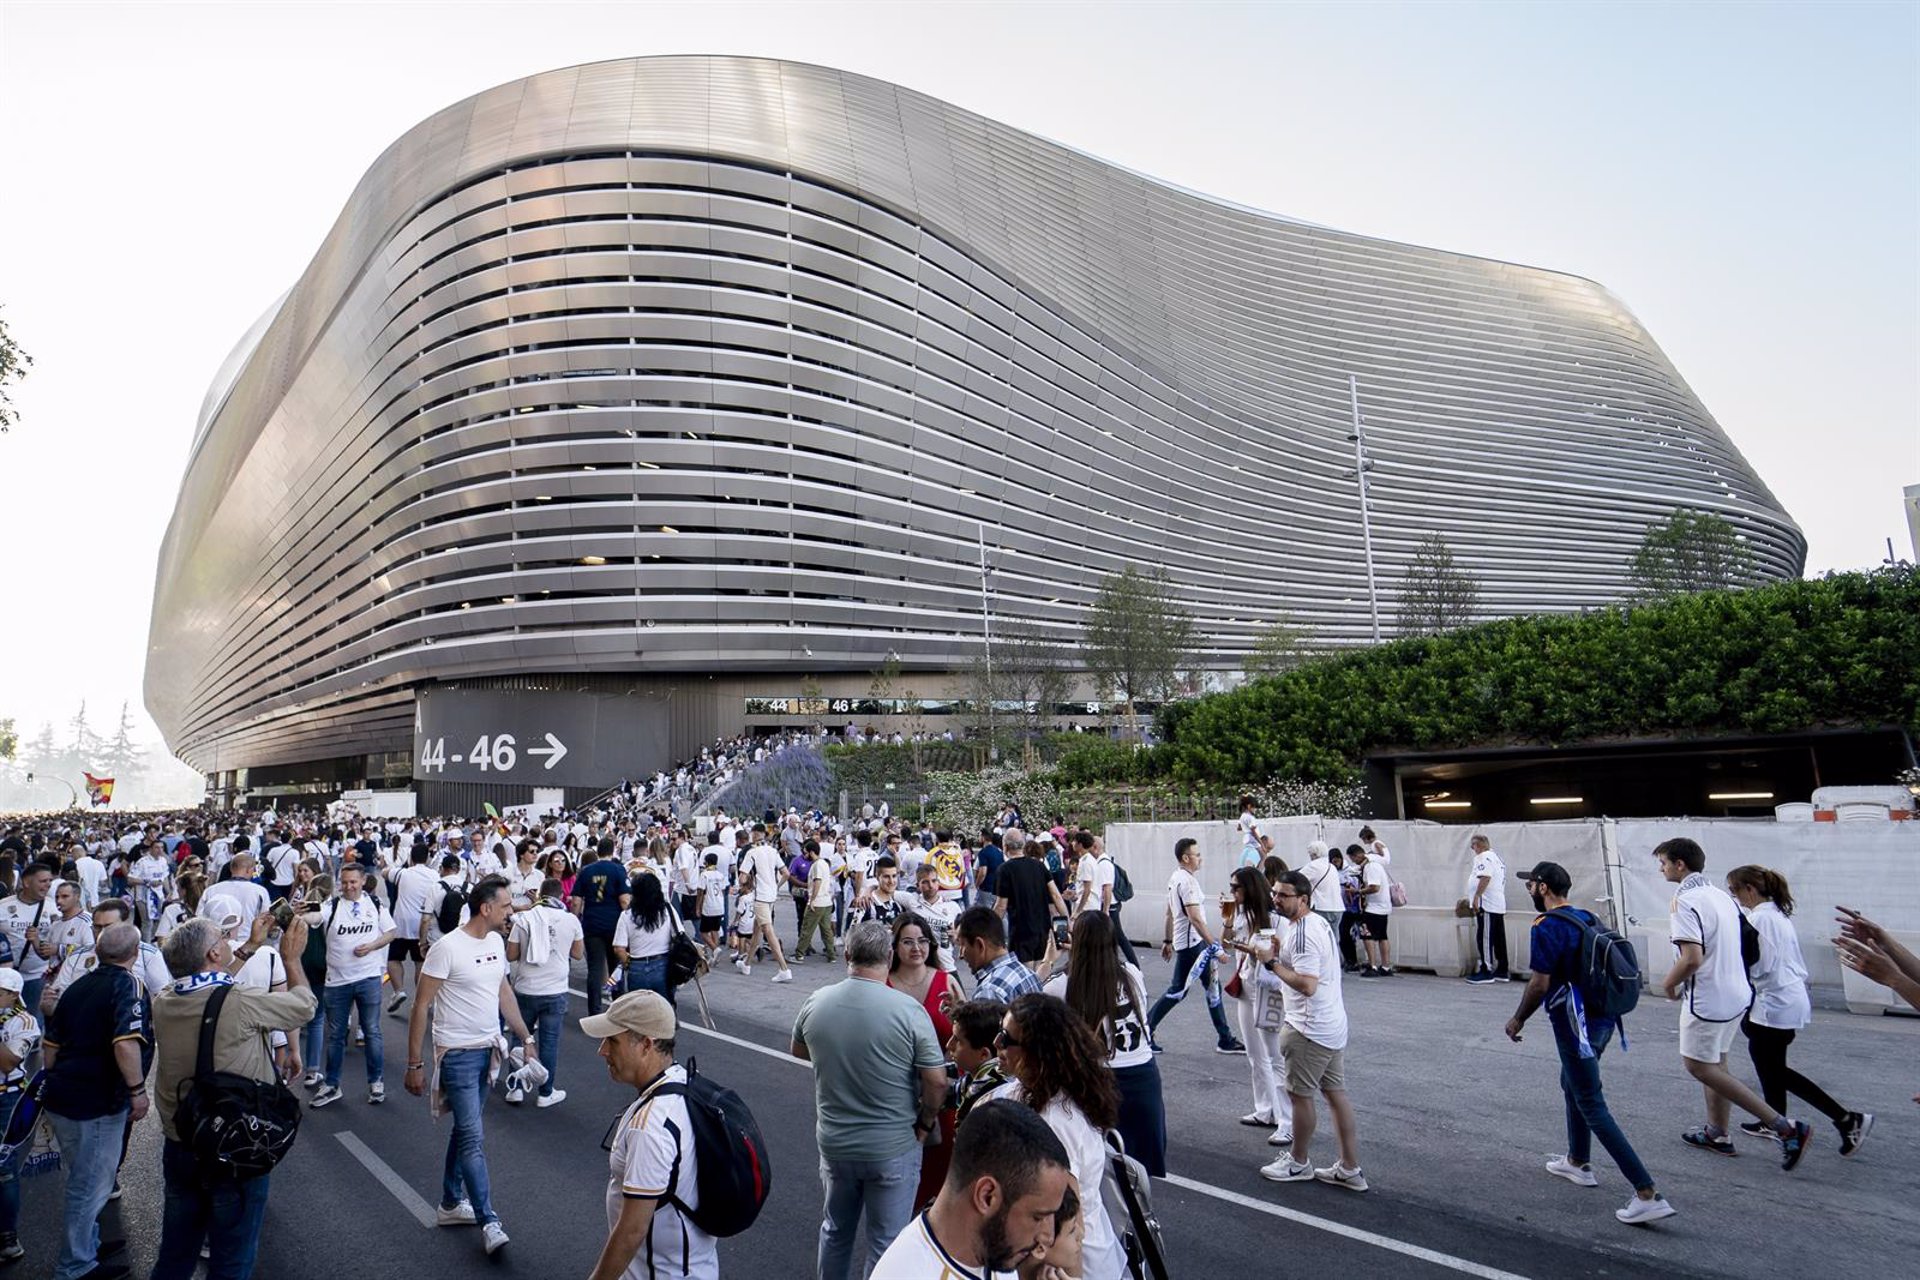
x,y
1704,1041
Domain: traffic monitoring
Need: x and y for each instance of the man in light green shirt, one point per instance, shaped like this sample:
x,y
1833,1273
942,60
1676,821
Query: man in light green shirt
x,y
879,1080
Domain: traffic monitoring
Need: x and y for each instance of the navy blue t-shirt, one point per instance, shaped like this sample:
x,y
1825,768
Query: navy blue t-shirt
x,y
1555,951
97,1012
599,886
990,857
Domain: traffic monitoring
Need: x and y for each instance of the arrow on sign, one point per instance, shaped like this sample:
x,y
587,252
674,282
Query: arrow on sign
x,y
555,751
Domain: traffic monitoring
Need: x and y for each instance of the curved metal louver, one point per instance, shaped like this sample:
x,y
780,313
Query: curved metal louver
x,y
724,364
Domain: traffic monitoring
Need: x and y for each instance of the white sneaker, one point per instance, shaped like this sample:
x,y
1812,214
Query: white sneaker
x,y
1256,1120
494,1237
1578,1175
1639,1211
1280,1138
553,1099
740,964
785,975
461,1215
313,1079
324,1095
516,1096
1336,1175
1285,1170
377,1092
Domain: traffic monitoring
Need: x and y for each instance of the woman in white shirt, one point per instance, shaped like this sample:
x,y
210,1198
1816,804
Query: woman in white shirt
x,y
1109,995
1781,1007
1059,1069
1248,921
640,938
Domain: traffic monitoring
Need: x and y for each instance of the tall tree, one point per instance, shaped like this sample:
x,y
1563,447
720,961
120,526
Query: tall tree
x,y
1280,648
1689,551
1138,638
9,739
14,364
120,755
1437,594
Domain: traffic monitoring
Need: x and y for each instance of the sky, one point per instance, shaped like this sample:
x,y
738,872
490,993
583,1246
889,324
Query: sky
x,y
1746,178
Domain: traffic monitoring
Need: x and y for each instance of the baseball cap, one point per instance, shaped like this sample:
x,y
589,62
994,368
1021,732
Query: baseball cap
x,y
1043,837
1551,874
10,980
645,1013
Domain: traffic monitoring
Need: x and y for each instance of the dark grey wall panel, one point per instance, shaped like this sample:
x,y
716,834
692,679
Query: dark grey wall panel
x,y
721,365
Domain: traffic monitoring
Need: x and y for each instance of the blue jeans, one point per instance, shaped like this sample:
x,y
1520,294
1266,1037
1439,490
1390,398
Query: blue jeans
x,y
463,1079
1587,1114
544,1016
313,1037
649,973
10,1168
1183,962
91,1151
883,1190
227,1217
339,1000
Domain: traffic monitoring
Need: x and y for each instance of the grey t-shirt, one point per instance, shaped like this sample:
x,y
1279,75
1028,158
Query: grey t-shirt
x,y
868,1043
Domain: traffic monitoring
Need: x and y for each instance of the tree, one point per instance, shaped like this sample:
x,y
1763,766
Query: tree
x,y
1138,638
1280,648
9,739
1437,594
120,755
1689,551
1034,669
14,364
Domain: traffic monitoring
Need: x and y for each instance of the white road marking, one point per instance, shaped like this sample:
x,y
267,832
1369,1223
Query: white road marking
x,y
1359,1234
409,1199
732,1040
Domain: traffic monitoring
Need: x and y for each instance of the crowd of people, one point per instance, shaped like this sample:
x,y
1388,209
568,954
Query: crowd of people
x,y
990,1049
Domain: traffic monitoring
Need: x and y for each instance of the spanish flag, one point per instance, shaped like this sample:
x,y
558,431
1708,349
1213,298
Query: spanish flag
x,y
99,790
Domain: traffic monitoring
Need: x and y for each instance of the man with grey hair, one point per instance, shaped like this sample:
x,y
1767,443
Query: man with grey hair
x,y
879,1081
1323,882
226,1216
98,1045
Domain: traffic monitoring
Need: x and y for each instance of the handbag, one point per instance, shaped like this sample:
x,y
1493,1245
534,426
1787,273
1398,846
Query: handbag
x,y
1396,892
1234,987
1463,909
683,957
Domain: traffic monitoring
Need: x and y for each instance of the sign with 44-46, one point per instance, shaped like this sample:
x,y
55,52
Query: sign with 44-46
x,y
534,737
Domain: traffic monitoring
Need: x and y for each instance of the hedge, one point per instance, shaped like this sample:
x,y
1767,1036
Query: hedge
x,y
1843,650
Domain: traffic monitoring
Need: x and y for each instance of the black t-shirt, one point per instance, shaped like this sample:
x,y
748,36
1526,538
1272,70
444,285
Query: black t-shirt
x,y
97,1012
1023,883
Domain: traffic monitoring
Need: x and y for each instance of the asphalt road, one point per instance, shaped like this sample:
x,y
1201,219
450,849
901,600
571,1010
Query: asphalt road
x,y
1454,1121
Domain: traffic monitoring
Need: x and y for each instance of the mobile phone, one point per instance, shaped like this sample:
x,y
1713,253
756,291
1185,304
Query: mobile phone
x,y
1060,933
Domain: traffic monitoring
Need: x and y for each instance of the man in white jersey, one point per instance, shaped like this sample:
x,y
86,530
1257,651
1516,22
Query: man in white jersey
x,y
1487,895
1006,1186
357,929
653,1188
543,941
1313,1041
1710,980
24,920
464,982
768,875
241,896
416,893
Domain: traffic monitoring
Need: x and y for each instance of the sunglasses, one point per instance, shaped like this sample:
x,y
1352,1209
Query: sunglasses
x,y
1001,1040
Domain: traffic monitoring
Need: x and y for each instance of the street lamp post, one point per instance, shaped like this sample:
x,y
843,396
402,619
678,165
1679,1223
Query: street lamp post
x,y
1362,465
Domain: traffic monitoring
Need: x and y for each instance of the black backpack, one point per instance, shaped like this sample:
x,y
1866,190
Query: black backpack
x,y
447,916
735,1174
237,1127
1122,882
1607,970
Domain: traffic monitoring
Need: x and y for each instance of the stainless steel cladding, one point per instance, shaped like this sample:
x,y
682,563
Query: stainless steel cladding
x,y
707,364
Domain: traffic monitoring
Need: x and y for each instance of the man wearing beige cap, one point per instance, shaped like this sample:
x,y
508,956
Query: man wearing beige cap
x,y
655,1177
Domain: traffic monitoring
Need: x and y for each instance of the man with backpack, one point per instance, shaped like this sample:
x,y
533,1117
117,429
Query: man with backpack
x,y
224,1214
1578,975
1710,980
656,1161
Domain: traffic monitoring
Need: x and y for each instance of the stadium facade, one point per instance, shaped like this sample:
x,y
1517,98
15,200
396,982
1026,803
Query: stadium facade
x,y
644,401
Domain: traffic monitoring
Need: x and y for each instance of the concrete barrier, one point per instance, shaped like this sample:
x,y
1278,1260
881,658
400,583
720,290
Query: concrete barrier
x,y
1874,867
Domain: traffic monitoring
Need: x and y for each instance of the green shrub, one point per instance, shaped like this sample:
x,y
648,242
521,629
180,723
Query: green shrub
x,y
1840,651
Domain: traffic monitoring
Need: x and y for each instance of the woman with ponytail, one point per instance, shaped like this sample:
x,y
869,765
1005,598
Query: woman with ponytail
x,y
1781,1007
